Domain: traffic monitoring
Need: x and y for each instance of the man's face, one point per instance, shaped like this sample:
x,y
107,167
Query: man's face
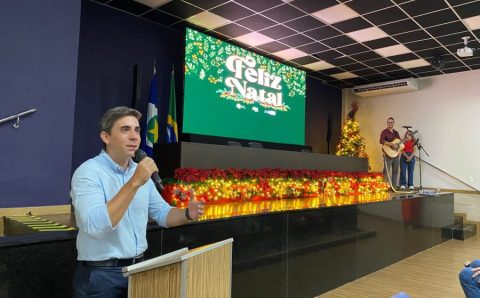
x,y
124,138
390,123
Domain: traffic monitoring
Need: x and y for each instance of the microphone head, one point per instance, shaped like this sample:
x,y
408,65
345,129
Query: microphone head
x,y
140,154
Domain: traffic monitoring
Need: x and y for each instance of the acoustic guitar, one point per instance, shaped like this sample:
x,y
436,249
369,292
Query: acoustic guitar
x,y
398,146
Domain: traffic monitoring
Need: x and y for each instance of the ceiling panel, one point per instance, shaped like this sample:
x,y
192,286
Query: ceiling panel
x,y
427,28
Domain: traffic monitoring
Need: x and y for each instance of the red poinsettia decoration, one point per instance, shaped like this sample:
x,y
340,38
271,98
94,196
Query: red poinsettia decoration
x,y
230,185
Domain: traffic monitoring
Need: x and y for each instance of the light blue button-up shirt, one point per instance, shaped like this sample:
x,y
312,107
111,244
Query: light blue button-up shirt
x,y
95,183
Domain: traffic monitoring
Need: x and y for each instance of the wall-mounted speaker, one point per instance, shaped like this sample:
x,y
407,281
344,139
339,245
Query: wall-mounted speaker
x,y
437,62
137,86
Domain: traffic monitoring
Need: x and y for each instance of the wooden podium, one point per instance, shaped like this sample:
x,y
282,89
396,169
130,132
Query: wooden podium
x,y
201,272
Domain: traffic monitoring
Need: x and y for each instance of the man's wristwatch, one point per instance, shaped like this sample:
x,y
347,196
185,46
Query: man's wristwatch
x,y
187,215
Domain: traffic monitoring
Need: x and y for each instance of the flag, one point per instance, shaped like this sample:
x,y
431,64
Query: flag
x,y
172,130
151,135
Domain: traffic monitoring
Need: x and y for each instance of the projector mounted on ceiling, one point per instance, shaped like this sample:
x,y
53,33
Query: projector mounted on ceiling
x,y
466,51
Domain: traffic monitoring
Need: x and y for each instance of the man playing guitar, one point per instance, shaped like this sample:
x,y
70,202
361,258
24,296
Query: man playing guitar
x,y
391,163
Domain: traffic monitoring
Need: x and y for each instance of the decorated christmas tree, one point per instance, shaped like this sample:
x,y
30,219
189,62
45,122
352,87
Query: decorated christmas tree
x,y
351,143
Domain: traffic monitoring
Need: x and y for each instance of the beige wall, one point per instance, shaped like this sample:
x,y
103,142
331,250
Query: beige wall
x,y
446,111
468,204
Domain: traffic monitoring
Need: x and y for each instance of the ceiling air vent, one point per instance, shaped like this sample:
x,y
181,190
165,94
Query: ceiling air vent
x,y
390,87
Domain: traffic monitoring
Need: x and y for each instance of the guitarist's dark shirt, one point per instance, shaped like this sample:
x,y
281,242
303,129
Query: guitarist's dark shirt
x,y
388,136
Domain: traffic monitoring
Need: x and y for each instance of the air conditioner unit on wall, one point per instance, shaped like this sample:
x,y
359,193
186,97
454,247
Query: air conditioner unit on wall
x,y
390,87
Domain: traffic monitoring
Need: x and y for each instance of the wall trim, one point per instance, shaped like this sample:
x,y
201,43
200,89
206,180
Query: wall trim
x,y
39,210
462,191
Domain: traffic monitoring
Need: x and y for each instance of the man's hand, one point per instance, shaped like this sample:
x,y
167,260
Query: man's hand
x,y
195,208
144,171
120,202
476,272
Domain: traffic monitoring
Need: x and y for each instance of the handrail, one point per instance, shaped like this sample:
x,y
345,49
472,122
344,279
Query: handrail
x,y
451,176
17,117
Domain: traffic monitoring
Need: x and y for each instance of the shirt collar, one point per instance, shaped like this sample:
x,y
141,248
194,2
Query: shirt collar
x,y
113,165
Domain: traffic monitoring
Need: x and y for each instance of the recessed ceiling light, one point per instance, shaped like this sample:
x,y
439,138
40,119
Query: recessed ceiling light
x,y
254,39
207,20
153,3
367,34
393,50
335,14
290,54
413,63
344,75
320,65
472,23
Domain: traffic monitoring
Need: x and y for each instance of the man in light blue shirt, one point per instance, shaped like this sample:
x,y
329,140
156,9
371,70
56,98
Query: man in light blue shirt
x,y
113,199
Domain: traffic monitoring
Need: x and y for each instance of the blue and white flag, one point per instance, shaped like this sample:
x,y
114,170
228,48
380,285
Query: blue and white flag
x,y
151,136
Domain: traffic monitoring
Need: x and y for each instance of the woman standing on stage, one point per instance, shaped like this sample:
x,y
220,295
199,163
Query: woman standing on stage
x,y
407,162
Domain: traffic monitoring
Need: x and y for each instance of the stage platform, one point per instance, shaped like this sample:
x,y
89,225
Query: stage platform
x,y
283,248
207,156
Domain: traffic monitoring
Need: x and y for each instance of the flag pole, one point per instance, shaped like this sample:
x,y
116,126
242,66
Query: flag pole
x,y
172,129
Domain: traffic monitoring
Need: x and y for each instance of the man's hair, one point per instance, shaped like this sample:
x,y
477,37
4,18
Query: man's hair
x,y
390,118
112,115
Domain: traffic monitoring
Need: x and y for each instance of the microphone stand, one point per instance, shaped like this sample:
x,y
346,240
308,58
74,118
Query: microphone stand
x,y
420,148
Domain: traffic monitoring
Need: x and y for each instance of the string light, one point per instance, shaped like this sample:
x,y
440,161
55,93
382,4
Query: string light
x,y
351,143
225,190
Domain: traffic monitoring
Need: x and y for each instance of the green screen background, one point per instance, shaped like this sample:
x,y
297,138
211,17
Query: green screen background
x,y
210,109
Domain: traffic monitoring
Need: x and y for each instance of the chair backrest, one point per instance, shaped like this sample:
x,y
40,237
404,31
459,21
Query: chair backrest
x,y
255,145
233,143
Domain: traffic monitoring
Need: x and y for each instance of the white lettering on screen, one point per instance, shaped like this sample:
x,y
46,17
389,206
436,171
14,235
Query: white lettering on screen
x,y
244,72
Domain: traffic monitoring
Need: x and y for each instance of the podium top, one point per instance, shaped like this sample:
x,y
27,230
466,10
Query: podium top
x,y
172,257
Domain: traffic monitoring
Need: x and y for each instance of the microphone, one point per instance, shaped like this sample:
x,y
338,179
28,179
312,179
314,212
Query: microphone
x,y
139,156
407,126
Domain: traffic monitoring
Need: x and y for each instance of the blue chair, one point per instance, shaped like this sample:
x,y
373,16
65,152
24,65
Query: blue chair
x,y
401,295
